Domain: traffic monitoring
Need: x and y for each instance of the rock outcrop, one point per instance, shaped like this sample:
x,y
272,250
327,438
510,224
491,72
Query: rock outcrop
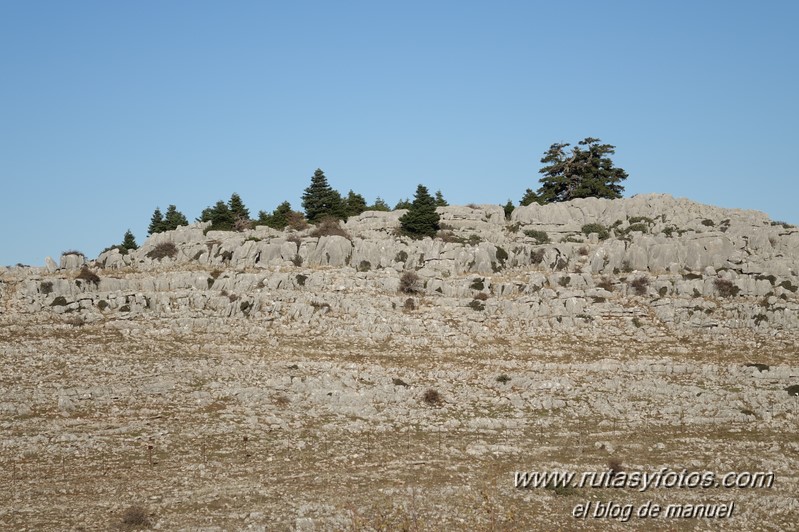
x,y
625,266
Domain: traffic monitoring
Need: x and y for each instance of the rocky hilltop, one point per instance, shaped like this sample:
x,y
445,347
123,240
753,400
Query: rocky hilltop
x,y
609,266
361,380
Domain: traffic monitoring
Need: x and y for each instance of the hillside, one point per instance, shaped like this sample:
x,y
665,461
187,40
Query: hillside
x,y
237,379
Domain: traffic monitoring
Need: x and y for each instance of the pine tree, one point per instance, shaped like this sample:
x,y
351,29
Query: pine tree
x,y
379,205
509,208
585,172
129,241
403,204
156,222
174,219
220,217
440,201
237,208
279,218
355,204
530,197
319,199
421,219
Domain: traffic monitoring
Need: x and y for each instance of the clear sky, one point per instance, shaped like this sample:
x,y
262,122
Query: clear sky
x,y
109,109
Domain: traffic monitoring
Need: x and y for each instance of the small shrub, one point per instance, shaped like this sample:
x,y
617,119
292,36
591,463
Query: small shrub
x,y
601,231
641,228
252,239
478,284
135,517
474,240
537,256
124,308
245,307
60,301
482,296
401,256
760,367
502,255
280,400
301,279
473,206
583,251
788,286
450,237
89,276
233,298
641,219
793,389
760,318
46,287
662,291
785,225
431,397
364,266
564,281
640,285
605,284
476,305
102,304
726,288
409,283
295,220
708,222
503,379
540,237
164,249
637,322
73,252
409,305
329,226
297,261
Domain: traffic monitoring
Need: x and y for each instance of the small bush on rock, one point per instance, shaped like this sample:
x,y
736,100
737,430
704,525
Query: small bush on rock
x,y
46,287
89,276
540,237
329,226
164,249
431,397
640,285
726,288
135,517
409,283
601,231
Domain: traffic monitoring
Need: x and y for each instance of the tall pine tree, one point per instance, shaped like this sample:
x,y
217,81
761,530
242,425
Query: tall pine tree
x,y
320,200
421,220
156,222
174,218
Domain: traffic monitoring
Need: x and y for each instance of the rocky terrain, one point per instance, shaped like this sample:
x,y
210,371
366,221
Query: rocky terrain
x,y
277,380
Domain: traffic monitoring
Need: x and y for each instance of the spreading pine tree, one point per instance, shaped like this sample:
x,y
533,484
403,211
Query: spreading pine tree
x,y
320,200
585,172
421,220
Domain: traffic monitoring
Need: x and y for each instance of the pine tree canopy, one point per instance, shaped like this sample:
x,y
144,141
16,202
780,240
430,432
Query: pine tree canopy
x,y
156,222
129,241
379,205
440,201
174,218
421,219
355,204
319,199
586,171
237,208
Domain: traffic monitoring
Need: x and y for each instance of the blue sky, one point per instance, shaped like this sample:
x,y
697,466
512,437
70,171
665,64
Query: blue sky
x,y
109,109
